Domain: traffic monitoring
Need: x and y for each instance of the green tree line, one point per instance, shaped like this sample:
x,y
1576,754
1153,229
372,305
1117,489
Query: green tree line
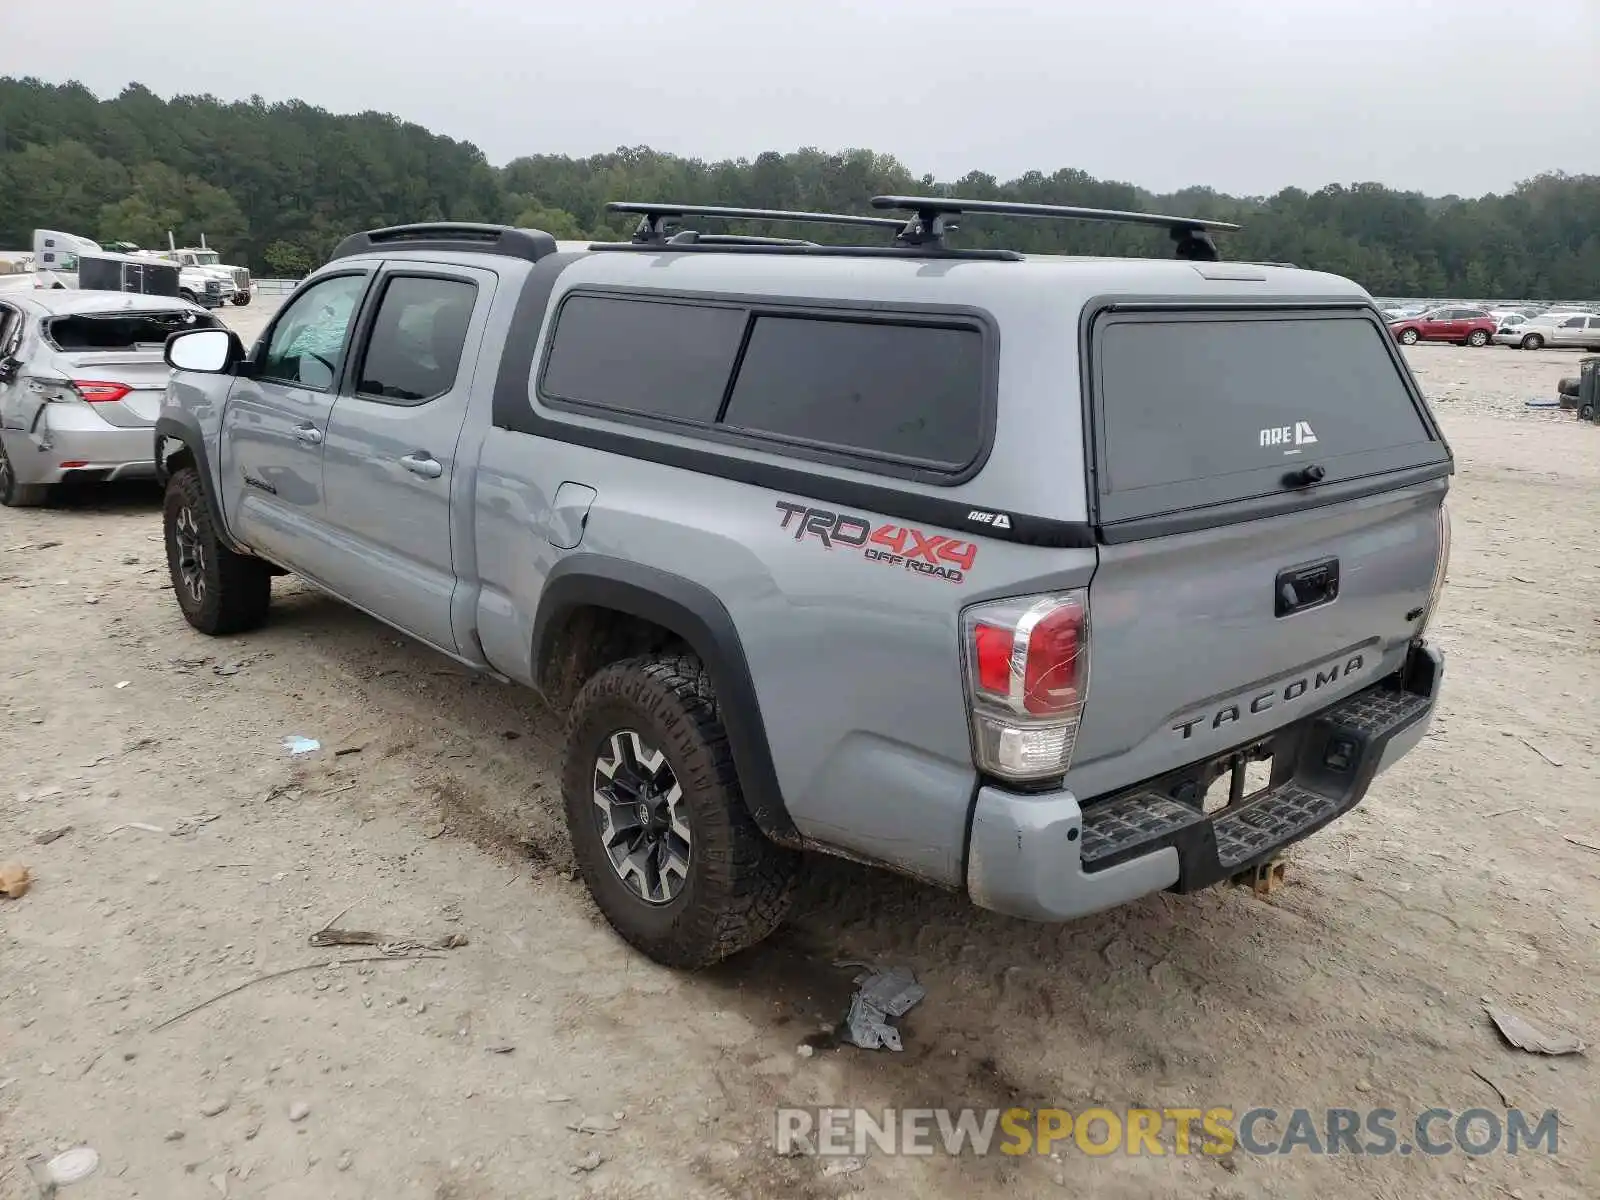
x,y
276,185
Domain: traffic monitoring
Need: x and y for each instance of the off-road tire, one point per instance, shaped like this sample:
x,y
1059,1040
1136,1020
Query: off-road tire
x,y
1533,342
1477,338
1409,337
235,589
19,495
241,300
186,295
739,884
1586,413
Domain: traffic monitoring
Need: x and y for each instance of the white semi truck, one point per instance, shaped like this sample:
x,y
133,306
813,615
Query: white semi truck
x,y
56,257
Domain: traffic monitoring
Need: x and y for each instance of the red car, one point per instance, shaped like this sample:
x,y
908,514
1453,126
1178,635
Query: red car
x,y
1463,326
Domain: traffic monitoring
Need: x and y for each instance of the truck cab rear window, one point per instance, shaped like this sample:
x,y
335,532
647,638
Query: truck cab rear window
x,y
903,391
1200,409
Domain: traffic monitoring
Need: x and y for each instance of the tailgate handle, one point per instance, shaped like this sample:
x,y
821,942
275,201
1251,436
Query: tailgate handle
x,y
1300,588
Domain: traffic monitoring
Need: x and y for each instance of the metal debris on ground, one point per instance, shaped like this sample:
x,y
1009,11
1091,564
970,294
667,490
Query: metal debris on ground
x,y
142,825
880,995
842,1166
1524,1035
594,1125
589,1162
388,943
187,825
296,745
52,835
15,880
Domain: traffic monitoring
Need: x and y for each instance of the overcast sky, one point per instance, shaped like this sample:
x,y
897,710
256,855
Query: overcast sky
x,y
1248,96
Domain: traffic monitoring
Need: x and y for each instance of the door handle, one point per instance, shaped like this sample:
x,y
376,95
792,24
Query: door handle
x,y
422,463
309,434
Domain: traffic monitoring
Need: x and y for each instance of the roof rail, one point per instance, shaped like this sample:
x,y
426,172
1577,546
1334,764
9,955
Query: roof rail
x,y
652,215
929,221
693,237
528,244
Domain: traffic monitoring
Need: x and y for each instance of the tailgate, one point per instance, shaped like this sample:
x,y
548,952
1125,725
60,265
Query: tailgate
x,y
1269,487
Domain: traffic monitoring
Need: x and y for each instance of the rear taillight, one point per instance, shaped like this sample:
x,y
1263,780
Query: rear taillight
x,y
96,392
1440,569
1027,672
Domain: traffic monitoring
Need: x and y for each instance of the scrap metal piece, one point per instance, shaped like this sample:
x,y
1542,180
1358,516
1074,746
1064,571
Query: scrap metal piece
x,y
881,994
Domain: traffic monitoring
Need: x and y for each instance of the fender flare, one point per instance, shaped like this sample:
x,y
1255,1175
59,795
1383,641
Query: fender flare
x,y
183,428
693,613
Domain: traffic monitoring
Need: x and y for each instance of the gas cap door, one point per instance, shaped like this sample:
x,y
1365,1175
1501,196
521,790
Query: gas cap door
x,y
569,515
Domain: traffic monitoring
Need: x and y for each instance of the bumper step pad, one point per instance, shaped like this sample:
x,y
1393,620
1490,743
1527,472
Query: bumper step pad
x,y
1215,846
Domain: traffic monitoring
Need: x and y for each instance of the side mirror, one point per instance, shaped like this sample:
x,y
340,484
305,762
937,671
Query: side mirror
x,y
216,351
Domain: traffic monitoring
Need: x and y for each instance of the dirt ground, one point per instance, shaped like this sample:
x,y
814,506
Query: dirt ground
x,y
431,809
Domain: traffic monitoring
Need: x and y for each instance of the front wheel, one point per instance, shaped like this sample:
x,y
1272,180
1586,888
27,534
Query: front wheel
x,y
1477,338
1408,337
219,591
658,823
241,298
1533,342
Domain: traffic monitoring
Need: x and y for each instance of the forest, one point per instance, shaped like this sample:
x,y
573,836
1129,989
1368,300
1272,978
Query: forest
x,y
275,185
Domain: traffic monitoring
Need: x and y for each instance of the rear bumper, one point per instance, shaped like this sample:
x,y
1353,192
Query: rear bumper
x,y
1048,858
105,453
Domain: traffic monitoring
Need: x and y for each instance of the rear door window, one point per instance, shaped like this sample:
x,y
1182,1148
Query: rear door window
x,y
1207,409
417,338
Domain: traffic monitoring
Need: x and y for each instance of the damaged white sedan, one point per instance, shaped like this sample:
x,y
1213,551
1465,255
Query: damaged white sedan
x,y
81,381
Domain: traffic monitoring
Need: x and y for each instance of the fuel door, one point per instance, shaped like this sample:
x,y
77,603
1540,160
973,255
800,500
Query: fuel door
x,y
569,515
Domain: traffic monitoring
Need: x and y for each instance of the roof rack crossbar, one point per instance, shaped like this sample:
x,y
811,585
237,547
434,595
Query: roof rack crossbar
x,y
742,246
651,216
929,220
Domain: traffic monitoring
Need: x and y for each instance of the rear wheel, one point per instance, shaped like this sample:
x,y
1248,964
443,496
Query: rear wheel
x,y
220,592
1477,338
18,495
658,823
1533,342
1408,337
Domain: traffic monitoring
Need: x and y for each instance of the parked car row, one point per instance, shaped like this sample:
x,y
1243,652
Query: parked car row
x,y
1465,326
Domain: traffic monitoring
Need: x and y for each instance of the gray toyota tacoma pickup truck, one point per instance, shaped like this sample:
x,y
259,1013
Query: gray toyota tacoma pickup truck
x,y
1057,580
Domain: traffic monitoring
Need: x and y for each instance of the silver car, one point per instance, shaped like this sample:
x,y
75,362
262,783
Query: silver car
x,y
81,380
1573,330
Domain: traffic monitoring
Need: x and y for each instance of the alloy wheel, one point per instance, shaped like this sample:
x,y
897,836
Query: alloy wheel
x,y
191,554
642,817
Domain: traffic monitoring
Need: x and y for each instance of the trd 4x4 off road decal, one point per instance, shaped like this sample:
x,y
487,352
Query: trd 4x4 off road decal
x,y
896,545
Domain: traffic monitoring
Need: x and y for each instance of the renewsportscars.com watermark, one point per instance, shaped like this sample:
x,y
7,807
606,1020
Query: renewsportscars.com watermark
x,y
1163,1131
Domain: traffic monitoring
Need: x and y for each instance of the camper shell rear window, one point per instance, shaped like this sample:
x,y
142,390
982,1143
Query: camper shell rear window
x,y
91,332
1201,411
